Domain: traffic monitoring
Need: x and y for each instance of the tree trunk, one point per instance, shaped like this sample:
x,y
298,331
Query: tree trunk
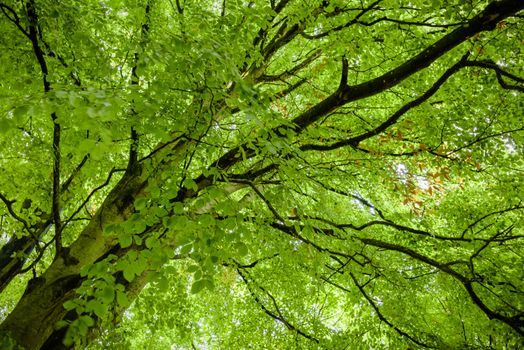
x,y
34,318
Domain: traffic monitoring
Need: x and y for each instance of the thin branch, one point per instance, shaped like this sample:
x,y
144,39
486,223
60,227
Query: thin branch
x,y
56,185
38,257
415,255
13,18
347,194
344,75
493,66
179,8
223,11
346,25
266,201
411,23
133,151
381,316
280,6
470,226
516,322
108,179
9,204
288,90
75,172
280,318
292,71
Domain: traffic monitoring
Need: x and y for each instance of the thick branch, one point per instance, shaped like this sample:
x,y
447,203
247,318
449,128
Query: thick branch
x,y
354,141
486,20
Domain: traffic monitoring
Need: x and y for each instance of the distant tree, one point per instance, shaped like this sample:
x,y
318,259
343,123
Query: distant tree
x,y
261,174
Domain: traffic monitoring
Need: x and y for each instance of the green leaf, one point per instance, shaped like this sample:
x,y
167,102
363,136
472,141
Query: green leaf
x,y
186,249
193,268
121,298
190,184
141,203
241,248
208,283
129,274
112,228
70,305
152,242
125,240
197,286
97,307
178,208
107,295
86,320
20,111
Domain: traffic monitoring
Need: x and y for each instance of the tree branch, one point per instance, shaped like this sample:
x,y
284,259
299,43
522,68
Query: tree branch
x,y
381,316
9,205
312,57
278,317
15,19
355,141
486,20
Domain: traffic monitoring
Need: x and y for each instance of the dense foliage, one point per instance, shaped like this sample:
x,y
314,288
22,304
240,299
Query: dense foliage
x,y
230,174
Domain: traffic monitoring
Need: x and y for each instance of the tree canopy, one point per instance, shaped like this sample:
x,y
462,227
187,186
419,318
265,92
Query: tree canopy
x,y
232,174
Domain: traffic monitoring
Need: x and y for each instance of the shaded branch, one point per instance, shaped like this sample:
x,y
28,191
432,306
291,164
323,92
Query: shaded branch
x,y
346,25
382,317
500,72
9,205
486,20
470,226
75,172
179,8
312,57
278,317
266,201
56,184
415,255
355,141
13,17
108,179
288,90
515,322
347,194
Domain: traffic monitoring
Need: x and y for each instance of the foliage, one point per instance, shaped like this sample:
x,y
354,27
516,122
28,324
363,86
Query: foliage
x,y
266,174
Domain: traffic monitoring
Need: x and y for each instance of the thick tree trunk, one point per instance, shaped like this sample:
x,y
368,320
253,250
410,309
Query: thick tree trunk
x,y
33,320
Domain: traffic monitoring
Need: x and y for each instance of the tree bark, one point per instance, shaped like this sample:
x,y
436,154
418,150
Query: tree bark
x,y
34,318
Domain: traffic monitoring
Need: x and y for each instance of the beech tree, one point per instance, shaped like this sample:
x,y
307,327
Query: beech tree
x,y
262,174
